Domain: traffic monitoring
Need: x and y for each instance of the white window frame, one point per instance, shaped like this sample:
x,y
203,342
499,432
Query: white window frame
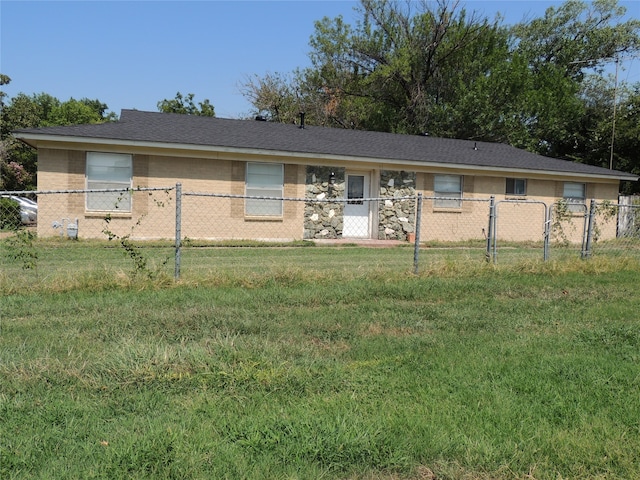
x,y
264,180
105,171
515,183
449,188
575,203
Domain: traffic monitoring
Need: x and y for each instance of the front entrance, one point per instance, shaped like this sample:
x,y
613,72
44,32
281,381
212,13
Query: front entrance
x,y
356,210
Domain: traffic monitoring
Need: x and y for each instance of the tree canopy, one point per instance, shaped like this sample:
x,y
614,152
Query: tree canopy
x,y
436,68
18,162
187,106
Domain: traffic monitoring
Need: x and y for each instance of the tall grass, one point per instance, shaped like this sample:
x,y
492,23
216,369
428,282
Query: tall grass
x,y
528,371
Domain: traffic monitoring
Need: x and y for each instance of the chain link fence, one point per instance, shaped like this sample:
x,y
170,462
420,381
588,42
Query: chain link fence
x,y
168,232
59,246
614,229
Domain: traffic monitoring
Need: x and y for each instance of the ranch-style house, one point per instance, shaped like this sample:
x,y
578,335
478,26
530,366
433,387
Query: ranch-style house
x,y
238,159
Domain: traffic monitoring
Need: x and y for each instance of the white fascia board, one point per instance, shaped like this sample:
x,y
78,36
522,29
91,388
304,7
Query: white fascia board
x,y
310,157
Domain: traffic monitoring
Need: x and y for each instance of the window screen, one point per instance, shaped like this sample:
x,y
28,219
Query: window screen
x,y
516,186
109,171
447,190
574,195
264,180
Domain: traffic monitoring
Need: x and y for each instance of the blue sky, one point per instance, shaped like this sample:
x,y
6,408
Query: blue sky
x,y
132,54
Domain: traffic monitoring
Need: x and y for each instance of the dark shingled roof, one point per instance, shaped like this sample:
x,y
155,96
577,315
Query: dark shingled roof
x,y
165,128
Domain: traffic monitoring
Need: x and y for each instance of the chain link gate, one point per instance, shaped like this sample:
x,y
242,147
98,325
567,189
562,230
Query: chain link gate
x,y
518,223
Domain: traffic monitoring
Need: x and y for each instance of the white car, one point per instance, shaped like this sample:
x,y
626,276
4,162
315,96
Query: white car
x,y
28,209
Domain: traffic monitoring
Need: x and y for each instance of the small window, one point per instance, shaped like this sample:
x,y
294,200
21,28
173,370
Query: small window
x,y
448,191
516,186
355,189
109,171
264,180
574,194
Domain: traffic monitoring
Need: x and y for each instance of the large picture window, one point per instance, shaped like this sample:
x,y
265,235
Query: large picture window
x,y
575,195
109,171
264,180
447,190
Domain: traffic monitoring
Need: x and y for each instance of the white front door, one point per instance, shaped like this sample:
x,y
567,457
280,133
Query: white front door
x,y
356,210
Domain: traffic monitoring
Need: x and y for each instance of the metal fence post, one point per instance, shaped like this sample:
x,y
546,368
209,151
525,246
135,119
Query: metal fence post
x,y
586,242
416,245
178,229
547,231
492,211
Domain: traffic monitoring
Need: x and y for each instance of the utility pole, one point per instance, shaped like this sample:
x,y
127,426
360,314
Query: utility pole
x,y
615,104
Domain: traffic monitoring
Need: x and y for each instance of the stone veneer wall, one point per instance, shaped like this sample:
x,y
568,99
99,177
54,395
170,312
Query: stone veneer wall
x,y
323,219
396,215
396,218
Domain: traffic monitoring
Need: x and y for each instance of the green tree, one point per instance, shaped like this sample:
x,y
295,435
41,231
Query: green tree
x,y
275,97
600,141
4,80
407,66
560,49
18,162
395,70
77,112
186,105
577,36
434,68
627,137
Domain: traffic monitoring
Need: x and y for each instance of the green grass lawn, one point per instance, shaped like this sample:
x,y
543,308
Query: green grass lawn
x,y
260,370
